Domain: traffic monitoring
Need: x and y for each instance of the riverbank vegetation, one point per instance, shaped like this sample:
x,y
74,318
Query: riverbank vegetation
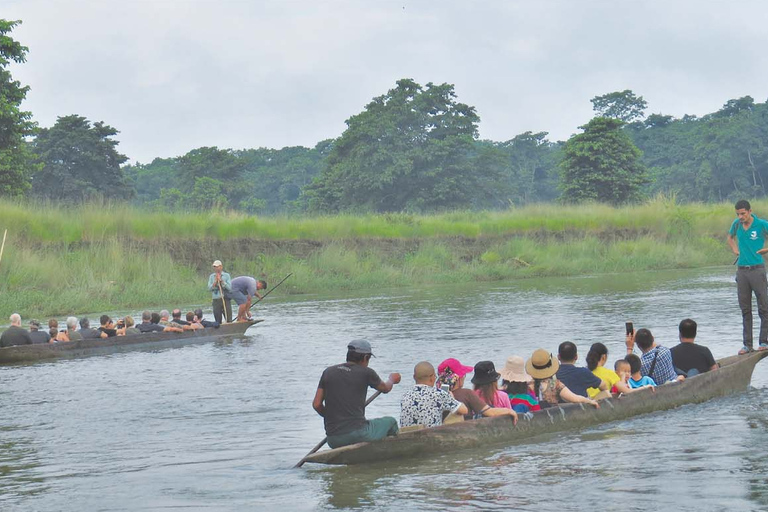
x,y
85,258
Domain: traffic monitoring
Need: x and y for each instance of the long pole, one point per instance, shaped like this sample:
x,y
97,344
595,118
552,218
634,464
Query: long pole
x,y
2,247
273,289
223,304
325,439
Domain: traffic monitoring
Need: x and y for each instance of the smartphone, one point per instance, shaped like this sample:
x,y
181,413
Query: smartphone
x,y
630,327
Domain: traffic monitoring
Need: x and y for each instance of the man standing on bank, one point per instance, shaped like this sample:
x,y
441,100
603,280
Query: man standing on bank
x,y
746,239
219,282
340,399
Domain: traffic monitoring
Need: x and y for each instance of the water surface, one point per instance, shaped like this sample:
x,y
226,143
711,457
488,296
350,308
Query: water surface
x,y
218,426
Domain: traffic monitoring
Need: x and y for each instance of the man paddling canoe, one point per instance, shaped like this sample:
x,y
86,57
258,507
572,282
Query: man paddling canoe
x,y
220,282
746,239
340,399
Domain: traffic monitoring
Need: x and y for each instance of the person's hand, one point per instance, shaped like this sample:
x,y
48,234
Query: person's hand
x,y
680,378
594,403
394,378
514,417
630,342
762,251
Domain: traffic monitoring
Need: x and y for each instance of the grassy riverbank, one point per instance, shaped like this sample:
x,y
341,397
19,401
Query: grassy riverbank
x,y
62,261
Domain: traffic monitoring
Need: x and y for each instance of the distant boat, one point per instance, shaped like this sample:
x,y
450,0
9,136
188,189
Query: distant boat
x,y
733,376
148,341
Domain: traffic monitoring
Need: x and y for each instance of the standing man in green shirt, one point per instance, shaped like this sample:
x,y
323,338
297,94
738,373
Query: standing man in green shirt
x,y
220,282
746,239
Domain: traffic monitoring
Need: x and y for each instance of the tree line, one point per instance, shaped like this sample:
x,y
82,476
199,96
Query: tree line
x,y
415,148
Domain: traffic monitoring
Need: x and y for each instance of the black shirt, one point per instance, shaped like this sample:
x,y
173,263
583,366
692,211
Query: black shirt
x,y
15,336
110,332
39,336
150,327
690,355
345,387
89,334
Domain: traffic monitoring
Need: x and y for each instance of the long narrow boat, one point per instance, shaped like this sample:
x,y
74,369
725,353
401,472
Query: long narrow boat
x,y
148,341
733,376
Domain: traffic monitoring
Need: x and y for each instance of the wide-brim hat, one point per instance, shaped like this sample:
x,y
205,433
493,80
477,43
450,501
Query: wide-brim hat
x,y
514,370
485,373
542,364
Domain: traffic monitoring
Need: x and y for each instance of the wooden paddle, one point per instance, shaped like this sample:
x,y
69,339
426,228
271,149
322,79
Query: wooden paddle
x,y
2,247
273,289
223,305
325,439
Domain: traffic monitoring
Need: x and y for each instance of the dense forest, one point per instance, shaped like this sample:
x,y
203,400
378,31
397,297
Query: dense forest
x,y
413,149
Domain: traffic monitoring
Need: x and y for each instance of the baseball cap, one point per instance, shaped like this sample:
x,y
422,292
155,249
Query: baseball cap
x,y
360,346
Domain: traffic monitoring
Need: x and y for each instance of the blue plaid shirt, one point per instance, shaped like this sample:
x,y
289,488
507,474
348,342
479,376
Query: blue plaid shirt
x,y
664,370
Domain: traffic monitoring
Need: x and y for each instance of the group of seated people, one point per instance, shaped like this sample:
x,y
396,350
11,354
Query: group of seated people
x,y
108,328
543,381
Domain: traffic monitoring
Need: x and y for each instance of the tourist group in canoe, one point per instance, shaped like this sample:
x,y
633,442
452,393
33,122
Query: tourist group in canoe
x,y
543,380
223,288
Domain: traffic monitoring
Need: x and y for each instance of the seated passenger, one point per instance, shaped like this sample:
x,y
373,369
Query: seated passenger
x,y
129,328
656,360
451,378
107,326
576,378
203,322
15,335
423,404
637,379
176,318
149,323
542,366
164,318
596,359
486,381
55,334
192,323
517,384
688,358
72,332
88,333
36,334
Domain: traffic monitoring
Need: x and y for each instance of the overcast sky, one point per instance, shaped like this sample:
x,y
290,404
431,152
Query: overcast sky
x,y
172,76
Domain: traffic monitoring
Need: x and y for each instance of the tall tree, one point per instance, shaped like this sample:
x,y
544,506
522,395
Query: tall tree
x,y
408,150
16,161
622,105
79,162
602,164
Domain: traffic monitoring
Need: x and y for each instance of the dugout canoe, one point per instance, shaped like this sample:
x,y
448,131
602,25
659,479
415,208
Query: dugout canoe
x,y
149,341
733,376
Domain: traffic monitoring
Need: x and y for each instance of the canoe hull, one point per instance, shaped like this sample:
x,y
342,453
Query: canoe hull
x,y
733,376
149,341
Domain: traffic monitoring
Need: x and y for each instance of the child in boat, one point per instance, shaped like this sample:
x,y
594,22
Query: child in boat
x,y
637,380
519,386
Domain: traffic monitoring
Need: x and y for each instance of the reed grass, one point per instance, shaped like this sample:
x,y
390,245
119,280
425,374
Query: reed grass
x,y
60,261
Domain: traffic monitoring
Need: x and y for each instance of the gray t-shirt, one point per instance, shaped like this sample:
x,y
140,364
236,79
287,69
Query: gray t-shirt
x,y
345,386
244,284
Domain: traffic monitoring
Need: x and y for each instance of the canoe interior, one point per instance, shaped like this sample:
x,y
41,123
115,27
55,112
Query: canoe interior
x,y
733,376
149,341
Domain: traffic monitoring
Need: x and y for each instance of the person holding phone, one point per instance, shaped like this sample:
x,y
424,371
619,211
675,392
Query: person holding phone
x,y
746,238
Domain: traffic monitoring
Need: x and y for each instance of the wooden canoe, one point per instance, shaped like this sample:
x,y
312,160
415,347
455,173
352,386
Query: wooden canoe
x,y
733,376
149,341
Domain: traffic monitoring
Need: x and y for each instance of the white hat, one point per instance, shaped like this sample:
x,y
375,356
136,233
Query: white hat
x,y
217,263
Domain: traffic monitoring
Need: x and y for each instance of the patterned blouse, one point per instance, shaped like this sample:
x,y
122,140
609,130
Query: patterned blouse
x,y
424,405
549,392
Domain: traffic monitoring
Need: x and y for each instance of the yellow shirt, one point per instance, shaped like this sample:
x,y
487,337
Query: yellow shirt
x,y
608,375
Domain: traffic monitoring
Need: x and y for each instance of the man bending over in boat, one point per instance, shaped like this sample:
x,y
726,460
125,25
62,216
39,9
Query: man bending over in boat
x,y
340,399
243,290
656,360
424,404
688,358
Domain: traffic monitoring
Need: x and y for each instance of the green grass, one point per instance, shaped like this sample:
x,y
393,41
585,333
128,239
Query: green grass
x,y
61,261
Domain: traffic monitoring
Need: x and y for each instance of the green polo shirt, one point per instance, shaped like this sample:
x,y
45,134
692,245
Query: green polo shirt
x,y
750,240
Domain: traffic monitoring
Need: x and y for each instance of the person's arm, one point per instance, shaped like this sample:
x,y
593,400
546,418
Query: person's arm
x,y
212,285
318,403
386,386
168,328
732,244
226,282
569,396
497,411
629,341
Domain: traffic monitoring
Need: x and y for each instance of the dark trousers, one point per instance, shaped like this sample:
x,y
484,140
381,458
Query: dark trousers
x,y
219,309
749,280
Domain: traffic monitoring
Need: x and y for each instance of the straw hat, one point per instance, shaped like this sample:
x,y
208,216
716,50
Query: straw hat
x,y
514,370
542,364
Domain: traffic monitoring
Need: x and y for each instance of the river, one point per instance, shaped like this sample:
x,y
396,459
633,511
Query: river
x,y
218,426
